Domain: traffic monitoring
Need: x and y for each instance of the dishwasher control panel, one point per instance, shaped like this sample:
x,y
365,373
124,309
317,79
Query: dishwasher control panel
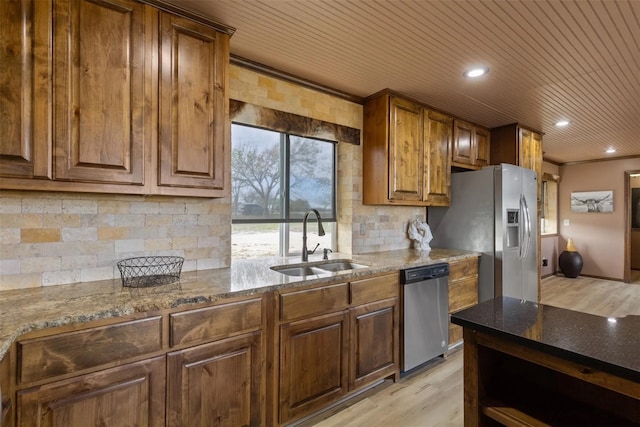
x,y
426,272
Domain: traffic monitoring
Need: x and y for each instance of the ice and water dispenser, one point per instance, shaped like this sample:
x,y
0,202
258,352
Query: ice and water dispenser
x,y
513,228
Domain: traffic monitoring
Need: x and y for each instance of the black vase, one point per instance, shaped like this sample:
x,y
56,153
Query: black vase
x,y
570,263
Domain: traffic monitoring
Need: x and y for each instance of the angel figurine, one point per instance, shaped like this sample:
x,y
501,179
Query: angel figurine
x,y
420,233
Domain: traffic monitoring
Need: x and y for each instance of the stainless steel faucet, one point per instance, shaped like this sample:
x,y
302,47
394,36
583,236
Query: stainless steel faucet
x,y
305,252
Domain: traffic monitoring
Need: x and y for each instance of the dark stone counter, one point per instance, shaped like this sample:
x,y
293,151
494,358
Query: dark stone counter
x,y
607,344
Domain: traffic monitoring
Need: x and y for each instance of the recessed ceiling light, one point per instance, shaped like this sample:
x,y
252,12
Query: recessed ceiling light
x,y
476,72
610,150
562,123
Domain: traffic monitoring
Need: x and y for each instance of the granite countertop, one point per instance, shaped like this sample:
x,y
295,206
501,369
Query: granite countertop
x,y
608,344
33,309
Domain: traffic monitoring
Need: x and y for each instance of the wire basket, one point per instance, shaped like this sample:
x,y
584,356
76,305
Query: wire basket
x,y
150,270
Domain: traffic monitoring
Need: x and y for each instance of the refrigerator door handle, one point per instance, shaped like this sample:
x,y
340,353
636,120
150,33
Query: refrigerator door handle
x,y
527,222
521,229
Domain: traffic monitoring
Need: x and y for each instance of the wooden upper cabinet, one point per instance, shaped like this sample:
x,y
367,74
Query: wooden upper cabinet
x,y
471,145
437,172
193,124
406,150
531,151
112,96
25,104
518,145
483,147
406,153
101,118
463,143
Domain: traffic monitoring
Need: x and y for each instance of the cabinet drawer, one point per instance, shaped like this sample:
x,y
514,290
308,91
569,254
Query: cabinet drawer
x,y
210,323
463,268
311,302
374,289
463,293
47,357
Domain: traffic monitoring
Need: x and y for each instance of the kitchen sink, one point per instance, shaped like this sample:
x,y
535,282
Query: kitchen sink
x,y
299,271
319,267
340,266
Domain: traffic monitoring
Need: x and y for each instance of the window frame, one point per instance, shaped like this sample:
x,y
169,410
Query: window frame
x,y
546,201
285,199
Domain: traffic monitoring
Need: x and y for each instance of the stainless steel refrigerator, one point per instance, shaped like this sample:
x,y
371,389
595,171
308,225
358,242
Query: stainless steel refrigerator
x,y
493,211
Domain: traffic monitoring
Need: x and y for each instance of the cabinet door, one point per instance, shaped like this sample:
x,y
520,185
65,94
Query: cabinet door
x,y
482,146
525,158
217,384
374,342
463,149
470,145
463,292
101,123
406,151
193,105
530,154
313,364
25,104
129,395
7,401
437,176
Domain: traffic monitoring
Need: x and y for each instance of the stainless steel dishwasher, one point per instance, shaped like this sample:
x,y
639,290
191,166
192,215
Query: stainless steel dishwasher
x,y
426,307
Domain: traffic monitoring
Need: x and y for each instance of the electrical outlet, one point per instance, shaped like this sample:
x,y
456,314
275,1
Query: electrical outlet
x,y
363,229
566,223
545,262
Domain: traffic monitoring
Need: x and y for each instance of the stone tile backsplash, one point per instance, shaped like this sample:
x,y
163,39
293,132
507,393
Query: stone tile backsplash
x,y
57,238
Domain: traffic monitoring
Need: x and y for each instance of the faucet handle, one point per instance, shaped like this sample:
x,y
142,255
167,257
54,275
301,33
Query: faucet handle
x,y
325,253
314,250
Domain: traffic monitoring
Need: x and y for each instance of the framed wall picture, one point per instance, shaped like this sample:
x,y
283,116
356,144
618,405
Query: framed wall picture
x,y
592,201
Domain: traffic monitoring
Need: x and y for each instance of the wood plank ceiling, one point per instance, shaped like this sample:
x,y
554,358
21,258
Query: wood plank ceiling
x,y
549,59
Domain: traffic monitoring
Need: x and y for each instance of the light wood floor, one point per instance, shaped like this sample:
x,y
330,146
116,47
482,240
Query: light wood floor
x,y
433,397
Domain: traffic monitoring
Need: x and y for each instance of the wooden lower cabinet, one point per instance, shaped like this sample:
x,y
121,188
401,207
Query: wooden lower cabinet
x,y
374,342
217,384
199,367
333,340
463,292
239,362
313,364
128,395
6,399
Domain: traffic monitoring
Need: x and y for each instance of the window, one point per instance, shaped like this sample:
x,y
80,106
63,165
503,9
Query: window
x,y
275,178
549,204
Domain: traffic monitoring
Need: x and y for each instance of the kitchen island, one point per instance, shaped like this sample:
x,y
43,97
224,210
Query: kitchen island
x,y
533,364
